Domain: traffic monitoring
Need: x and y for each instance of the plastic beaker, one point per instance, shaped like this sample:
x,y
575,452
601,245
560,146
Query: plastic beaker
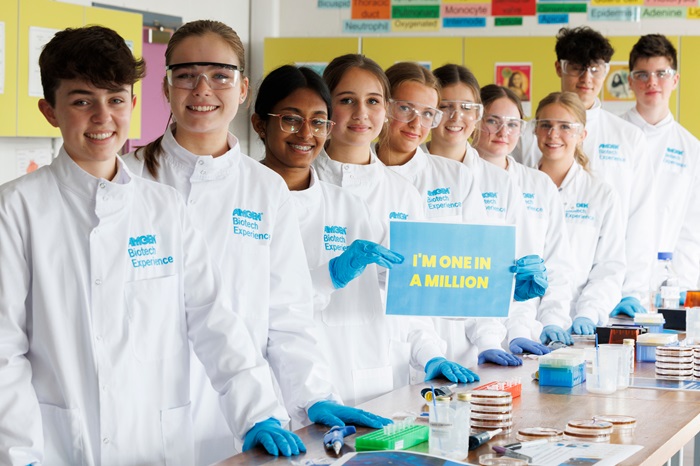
x,y
602,366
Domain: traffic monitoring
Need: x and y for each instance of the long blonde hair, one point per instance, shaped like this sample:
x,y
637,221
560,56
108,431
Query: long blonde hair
x,y
572,103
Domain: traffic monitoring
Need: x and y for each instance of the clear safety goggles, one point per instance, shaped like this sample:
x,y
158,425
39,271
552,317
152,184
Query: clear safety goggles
x,y
406,111
565,129
291,123
218,75
645,76
597,70
495,123
470,111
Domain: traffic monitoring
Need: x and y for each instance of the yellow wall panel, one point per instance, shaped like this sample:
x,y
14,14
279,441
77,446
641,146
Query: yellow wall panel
x,y
43,14
129,26
287,51
435,51
8,98
689,67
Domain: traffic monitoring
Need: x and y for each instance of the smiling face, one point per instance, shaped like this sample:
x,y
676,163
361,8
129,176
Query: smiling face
x,y
94,123
495,146
587,86
655,92
203,111
554,143
284,150
404,138
359,109
454,129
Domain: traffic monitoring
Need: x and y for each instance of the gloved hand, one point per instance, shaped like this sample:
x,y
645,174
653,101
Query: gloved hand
x,y
583,326
555,333
500,357
524,345
352,262
628,306
450,370
276,440
530,278
332,414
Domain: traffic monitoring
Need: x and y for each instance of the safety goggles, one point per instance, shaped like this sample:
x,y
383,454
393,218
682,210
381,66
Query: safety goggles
x,y
495,123
597,70
291,123
565,129
218,75
406,111
470,111
645,76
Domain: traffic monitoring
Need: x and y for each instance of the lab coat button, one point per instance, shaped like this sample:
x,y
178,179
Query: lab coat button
x,y
98,337
346,167
105,440
102,185
203,172
201,162
98,282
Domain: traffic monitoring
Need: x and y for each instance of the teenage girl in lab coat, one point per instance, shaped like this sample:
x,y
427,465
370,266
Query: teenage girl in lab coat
x,y
544,230
368,345
248,216
592,208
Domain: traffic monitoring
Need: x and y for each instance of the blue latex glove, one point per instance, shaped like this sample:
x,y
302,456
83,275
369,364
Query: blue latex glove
x,y
555,333
500,357
583,326
352,262
530,278
450,370
276,440
332,414
628,306
524,345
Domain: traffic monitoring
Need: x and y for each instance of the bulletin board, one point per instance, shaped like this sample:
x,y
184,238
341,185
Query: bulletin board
x,y
689,64
312,50
8,94
42,14
432,52
129,26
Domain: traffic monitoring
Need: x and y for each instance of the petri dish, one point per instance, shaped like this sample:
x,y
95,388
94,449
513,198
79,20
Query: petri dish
x,y
491,397
588,427
491,417
587,438
492,459
500,409
617,420
539,433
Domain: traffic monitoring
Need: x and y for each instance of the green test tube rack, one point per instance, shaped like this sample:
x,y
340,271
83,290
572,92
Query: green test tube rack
x,y
405,438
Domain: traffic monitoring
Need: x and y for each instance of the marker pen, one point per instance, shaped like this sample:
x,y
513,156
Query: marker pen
x,y
519,445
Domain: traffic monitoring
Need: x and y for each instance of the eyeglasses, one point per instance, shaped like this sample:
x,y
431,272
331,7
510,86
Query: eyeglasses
x,y
645,76
462,109
406,111
597,70
218,75
494,123
291,123
565,129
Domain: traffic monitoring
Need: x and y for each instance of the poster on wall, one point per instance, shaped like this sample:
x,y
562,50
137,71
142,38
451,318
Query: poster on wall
x,y
617,95
518,78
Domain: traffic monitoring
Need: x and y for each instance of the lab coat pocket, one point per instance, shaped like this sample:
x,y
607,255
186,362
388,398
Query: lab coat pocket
x,y
371,383
156,327
63,440
178,443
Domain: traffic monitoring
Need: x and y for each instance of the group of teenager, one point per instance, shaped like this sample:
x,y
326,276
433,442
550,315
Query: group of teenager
x,y
185,302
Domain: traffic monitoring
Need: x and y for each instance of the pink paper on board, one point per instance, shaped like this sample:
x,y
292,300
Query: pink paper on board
x,y
688,3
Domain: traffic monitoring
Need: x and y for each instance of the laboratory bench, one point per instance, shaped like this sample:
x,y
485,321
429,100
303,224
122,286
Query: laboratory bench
x,y
666,419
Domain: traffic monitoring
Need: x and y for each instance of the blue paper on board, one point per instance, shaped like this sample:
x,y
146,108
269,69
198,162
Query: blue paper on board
x,y
451,270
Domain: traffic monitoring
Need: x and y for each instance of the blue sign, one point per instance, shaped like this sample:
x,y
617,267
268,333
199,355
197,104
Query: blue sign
x,y
451,270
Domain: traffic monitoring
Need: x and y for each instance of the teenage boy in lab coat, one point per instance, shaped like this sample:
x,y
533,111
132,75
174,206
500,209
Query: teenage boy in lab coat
x,y
675,154
102,283
617,153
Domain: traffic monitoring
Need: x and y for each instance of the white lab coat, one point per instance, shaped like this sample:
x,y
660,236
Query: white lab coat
x,y
247,215
596,233
619,155
103,283
370,351
543,233
675,155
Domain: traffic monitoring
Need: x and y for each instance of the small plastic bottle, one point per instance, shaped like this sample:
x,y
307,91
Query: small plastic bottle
x,y
628,344
441,440
664,290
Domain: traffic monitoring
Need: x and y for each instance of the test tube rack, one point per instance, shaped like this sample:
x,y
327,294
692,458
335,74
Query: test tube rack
x,y
397,436
514,386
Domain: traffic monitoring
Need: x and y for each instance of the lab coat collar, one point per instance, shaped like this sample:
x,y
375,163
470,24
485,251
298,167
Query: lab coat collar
x,y
309,199
200,167
593,113
570,175
511,165
648,128
360,174
107,197
411,169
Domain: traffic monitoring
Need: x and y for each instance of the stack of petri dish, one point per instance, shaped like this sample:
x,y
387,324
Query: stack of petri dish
x,y
696,366
491,410
674,362
623,426
539,433
588,430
